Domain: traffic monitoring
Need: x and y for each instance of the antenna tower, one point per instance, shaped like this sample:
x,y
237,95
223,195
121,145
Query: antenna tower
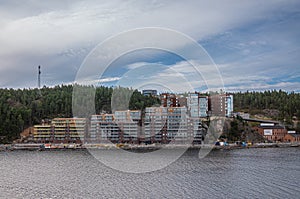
x,y
39,77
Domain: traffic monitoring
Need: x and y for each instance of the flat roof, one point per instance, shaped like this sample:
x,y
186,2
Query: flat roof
x,y
271,127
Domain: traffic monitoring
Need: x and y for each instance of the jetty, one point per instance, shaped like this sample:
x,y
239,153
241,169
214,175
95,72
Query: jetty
x,y
137,148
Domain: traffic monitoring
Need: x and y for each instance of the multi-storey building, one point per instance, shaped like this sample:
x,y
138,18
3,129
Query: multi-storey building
x,y
177,120
130,124
197,105
169,100
161,125
61,130
200,105
69,129
182,101
196,131
123,126
171,125
221,105
177,125
42,133
103,129
203,106
193,104
229,110
149,92
155,125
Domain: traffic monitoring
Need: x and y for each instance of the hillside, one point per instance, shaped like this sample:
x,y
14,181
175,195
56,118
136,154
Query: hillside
x,y
277,105
22,108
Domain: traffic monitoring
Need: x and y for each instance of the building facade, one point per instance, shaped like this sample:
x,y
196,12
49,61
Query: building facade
x,y
171,125
169,100
229,103
182,101
221,105
203,106
61,130
197,105
155,125
129,123
271,131
292,137
149,92
43,133
103,129
120,127
193,105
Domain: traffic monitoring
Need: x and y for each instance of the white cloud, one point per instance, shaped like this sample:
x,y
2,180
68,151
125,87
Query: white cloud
x,y
108,79
262,86
179,77
60,34
183,76
136,65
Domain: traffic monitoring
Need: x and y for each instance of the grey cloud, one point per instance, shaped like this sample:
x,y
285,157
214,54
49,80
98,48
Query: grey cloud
x,y
59,34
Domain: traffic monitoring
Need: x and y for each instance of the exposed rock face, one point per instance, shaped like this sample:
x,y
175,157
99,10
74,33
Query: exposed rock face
x,y
271,112
25,135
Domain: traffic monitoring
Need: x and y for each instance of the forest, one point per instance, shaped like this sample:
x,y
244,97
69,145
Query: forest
x,y
278,105
22,108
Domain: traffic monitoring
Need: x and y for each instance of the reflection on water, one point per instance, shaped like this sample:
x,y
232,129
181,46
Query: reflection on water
x,y
251,173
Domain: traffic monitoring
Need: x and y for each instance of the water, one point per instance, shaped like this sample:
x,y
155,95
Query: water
x,y
244,173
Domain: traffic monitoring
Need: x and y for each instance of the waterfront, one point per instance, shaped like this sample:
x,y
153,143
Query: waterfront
x,y
250,173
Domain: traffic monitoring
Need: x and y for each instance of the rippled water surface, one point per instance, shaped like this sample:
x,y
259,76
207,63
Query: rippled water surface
x,y
245,173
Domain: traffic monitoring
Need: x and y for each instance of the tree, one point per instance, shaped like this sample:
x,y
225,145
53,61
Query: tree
x,y
23,108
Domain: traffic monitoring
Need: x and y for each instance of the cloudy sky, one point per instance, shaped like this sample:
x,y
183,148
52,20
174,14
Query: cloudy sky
x,y
255,44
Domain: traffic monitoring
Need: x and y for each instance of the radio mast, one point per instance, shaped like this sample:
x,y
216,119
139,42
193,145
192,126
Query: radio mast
x,y
39,77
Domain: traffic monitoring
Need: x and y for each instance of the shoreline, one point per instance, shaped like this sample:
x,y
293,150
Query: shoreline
x,y
153,147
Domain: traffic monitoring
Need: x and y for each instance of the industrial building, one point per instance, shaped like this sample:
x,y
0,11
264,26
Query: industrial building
x,y
271,131
292,137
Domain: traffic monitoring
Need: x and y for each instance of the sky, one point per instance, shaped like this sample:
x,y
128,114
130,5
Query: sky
x,y
254,45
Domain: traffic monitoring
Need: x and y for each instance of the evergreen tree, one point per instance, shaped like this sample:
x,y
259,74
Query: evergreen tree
x,y
23,108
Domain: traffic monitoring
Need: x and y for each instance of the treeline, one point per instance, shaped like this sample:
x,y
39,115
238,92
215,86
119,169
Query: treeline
x,y
279,105
22,108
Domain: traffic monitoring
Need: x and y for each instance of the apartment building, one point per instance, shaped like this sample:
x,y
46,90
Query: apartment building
x,y
61,130
120,127
169,100
171,125
221,105
149,92
197,105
